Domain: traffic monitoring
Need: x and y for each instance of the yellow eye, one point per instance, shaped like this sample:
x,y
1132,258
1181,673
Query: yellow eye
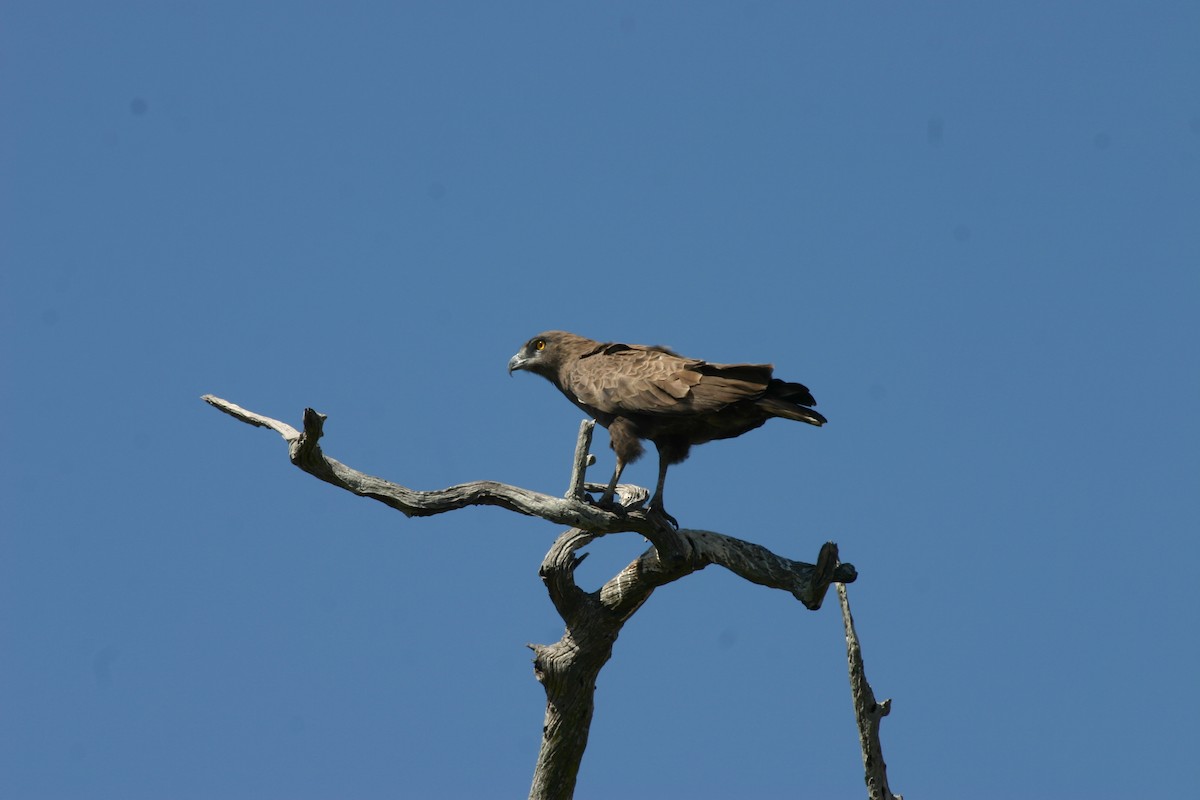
x,y
539,345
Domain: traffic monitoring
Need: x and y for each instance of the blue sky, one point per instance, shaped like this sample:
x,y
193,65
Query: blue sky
x,y
971,229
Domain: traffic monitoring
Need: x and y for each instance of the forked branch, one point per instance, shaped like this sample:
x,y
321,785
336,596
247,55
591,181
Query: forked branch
x,y
568,668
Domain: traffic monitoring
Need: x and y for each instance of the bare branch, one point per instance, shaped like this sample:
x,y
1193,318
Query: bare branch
x,y
568,668
583,459
305,453
289,433
867,712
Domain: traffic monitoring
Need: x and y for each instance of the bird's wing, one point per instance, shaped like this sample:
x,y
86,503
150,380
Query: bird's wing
x,y
629,380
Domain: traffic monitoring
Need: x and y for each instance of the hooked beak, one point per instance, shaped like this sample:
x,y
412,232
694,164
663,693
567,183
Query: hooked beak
x,y
516,362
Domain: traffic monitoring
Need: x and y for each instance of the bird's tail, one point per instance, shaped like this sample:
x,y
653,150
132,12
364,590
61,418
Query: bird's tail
x,y
790,401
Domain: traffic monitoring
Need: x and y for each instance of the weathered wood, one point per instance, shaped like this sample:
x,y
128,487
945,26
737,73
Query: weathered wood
x,y
867,712
305,452
582,460
568,668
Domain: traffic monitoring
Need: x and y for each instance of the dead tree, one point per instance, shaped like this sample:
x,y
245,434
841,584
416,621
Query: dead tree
x,y
568,668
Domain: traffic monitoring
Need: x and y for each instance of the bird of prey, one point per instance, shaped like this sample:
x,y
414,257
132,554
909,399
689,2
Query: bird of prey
x,y
649,392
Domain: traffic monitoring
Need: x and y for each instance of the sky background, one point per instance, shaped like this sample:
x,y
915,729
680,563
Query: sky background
x,y
972,229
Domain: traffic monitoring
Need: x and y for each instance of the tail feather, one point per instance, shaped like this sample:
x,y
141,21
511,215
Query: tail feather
x,y
790,401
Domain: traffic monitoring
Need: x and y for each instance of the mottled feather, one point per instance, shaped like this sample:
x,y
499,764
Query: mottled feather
x,y
651,392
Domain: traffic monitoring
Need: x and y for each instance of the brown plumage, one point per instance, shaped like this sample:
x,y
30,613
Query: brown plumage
x,y
647,392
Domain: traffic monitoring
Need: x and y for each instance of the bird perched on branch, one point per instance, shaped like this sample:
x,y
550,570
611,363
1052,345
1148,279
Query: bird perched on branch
x,y
649,392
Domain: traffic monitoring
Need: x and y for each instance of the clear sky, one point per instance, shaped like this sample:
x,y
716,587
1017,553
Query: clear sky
x,y
972,229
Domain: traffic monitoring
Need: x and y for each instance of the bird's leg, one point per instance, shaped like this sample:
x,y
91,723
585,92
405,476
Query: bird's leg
x,y
610,491
623,439
656,502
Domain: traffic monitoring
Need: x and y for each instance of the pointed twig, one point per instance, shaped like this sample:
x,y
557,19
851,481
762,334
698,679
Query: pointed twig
x,y
867,712
583,459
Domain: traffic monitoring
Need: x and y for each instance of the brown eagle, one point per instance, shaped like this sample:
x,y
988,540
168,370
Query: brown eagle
x,y
650,392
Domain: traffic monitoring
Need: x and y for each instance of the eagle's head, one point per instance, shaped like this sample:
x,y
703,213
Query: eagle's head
x,y
543,353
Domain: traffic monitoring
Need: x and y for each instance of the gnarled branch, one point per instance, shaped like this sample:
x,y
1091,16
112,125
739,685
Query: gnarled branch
x,y
867,712
573,511
568,668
